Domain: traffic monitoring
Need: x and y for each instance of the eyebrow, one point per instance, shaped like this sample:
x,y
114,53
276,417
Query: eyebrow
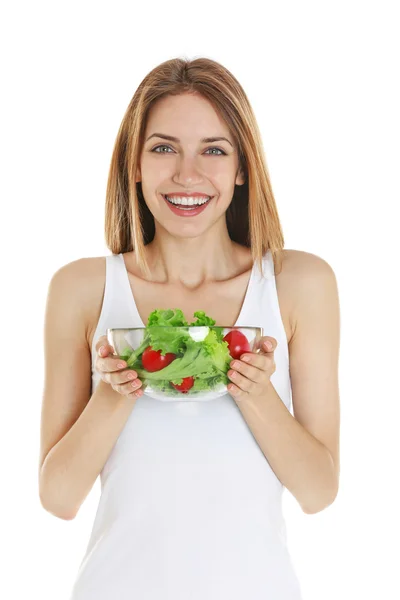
x,y
171,138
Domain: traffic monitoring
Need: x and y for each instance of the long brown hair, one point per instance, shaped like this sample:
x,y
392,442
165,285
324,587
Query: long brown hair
x,y
252,217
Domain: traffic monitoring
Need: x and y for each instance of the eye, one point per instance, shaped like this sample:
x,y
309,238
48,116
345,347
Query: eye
x,y
219,150
156,149
162,146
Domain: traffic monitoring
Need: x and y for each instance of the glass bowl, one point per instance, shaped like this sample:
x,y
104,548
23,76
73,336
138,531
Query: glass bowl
x,y
181,363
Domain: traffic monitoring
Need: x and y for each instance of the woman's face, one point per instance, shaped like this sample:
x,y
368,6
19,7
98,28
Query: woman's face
x,y
187,164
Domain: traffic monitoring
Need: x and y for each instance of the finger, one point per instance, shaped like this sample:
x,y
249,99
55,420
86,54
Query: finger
x,y
125,388
267,344
124,376
111,364
258,360
108,362
103,348
248,371
243,383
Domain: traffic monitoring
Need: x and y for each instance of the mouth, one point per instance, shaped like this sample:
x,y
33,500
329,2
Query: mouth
x,y
187,210
188,207
202,201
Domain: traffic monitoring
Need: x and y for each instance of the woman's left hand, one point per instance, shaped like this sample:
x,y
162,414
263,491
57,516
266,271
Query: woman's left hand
x,y
252,377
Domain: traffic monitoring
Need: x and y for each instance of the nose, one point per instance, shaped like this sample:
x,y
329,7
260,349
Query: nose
x,y
187,172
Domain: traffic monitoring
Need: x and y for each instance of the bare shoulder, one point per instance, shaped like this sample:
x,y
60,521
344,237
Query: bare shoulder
x,y
87,275
305,274
299,264
302,273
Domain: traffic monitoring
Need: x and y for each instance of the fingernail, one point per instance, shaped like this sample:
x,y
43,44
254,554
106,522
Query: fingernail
x,y
268,345
102,349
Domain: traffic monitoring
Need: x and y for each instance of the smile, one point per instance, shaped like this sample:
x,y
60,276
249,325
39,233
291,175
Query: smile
x,y
187,210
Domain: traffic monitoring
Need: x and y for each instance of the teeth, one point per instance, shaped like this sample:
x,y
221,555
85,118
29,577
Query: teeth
x,y
187,201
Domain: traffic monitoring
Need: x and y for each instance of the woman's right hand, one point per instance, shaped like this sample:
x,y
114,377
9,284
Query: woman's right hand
x,y
123,380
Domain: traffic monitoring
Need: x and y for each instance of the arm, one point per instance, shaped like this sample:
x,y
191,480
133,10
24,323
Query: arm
x,y
74,463
78,431
303,450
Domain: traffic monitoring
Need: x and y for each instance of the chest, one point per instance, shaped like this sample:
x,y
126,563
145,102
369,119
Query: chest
x,y
223,301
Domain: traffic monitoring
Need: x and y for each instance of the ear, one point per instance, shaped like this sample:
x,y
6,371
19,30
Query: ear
x,y
138,176
240,178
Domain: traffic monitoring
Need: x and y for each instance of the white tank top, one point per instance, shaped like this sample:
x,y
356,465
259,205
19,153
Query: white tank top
x,y
190,508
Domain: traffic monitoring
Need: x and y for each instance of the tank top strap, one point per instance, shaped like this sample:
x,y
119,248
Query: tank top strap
x,y
116,310
264,308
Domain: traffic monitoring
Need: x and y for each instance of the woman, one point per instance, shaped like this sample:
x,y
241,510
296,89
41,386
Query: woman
x,y
191,492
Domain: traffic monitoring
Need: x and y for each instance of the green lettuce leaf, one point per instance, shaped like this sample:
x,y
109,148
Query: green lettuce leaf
x,y
171,317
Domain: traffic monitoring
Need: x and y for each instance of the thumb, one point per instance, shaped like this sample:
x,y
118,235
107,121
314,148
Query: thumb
x,y
103,347
267,344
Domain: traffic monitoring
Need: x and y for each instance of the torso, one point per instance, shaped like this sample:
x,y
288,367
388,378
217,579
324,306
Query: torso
x,y
221,300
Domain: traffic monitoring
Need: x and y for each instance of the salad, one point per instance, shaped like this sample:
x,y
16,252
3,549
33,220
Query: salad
x,y
171,358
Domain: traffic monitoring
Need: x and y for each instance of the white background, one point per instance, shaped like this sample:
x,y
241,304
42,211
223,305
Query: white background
x,y
323,80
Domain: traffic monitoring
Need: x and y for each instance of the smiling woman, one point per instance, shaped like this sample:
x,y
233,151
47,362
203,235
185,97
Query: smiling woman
x,y
191,491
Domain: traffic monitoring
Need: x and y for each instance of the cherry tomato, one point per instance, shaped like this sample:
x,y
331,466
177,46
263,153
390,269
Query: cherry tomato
x,y
153,360
237,343
186,384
